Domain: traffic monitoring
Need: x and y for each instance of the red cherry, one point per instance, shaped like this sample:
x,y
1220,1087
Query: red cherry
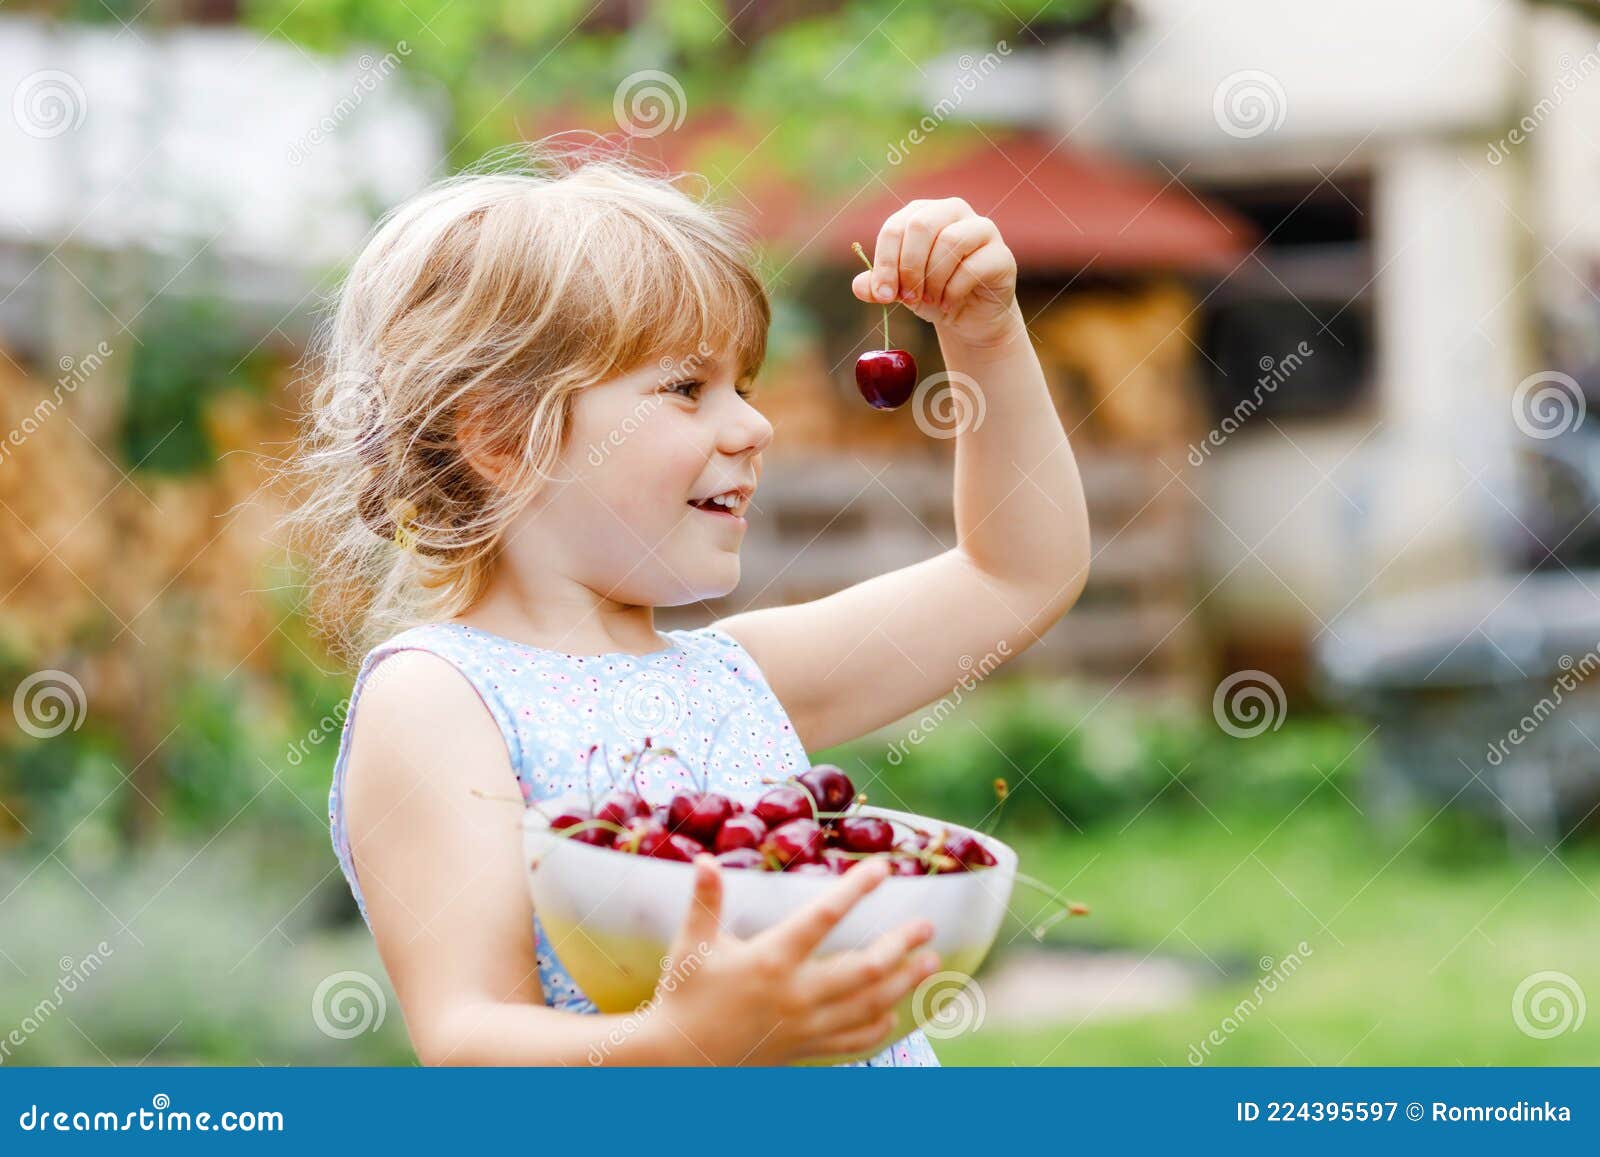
x,y
966,851
621,806
796,842
829,786
836,860
907,866
574,817
676,847
571,817
781,805
864,834
634,831
743,858
740,832
698,816
886,378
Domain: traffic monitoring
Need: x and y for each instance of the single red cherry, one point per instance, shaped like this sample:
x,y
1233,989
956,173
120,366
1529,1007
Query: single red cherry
x,y
743,858
621,806
782,804
571,817
966,851
829,786
836,860
634,831
671,846
698,816
571,821
796,842
740,832
864,834
886,378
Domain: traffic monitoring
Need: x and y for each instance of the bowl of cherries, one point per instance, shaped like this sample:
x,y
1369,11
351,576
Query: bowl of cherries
x,y
611,876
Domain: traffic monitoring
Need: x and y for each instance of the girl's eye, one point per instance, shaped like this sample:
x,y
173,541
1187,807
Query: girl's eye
x,y
688,389
745,392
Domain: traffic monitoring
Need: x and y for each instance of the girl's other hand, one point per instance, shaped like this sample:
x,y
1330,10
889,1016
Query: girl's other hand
x,y
767,1000
948,266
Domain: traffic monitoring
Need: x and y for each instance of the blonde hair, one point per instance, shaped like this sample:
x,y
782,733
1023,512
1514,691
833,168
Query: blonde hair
x,y
486,303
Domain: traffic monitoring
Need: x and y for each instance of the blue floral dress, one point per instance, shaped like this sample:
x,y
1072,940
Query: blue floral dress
x,y
703,696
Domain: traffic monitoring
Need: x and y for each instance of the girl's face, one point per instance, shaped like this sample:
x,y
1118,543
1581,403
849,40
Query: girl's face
x,y
630,514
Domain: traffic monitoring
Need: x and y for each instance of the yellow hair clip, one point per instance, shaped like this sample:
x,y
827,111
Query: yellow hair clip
x,y
404,516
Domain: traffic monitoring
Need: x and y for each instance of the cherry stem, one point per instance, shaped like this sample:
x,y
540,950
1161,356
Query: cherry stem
x,y
862,253
504,799
587,825
1068,907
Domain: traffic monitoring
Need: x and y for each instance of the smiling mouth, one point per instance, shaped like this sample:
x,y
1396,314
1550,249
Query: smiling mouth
x,y
731,504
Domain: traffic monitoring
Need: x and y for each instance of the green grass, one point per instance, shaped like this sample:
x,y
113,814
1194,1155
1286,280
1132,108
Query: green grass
x,y
1416,947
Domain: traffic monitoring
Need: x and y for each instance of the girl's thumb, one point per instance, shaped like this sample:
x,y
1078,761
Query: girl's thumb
x,y
702,924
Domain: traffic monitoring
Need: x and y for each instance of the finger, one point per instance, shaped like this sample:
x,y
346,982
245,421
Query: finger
x,y
873,1000
861,286
955,244
849,972
703,922
798,936
857,1040
922,229
972,282
886,258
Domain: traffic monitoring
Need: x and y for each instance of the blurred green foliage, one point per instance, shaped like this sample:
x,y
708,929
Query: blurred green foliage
x,y
190,350
856,67
1073,755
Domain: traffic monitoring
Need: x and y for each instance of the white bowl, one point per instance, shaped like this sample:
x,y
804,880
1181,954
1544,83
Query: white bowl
x,y
612,917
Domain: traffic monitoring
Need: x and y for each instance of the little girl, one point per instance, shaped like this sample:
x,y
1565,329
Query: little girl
x,y
533,426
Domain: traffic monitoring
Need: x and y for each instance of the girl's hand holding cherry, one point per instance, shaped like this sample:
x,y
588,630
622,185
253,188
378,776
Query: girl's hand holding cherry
x,y
948,266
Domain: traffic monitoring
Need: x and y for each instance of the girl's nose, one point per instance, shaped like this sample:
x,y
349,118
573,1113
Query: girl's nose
x,y
746,430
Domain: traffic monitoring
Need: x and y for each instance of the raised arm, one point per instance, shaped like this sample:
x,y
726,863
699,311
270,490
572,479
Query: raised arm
x,y
874,652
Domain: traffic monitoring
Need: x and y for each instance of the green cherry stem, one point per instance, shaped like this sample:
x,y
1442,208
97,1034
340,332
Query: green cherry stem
x,y
862,253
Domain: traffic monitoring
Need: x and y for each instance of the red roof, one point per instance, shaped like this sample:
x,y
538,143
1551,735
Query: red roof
x,y
1061,209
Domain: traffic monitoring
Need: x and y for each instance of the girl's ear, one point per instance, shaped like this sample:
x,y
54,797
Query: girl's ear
x,y
489,457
